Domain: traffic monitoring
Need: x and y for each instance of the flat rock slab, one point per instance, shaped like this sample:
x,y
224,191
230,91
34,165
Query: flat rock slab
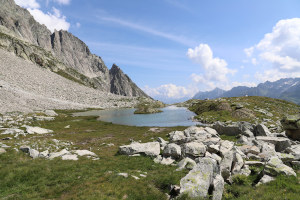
x,y
149,149
280,143
37,130
84,153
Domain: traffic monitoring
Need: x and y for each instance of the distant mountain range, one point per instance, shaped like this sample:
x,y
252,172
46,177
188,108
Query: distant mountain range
x,y
287,89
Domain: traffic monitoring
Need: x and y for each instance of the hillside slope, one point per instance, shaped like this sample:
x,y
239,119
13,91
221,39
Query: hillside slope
x,y
72,56
26,87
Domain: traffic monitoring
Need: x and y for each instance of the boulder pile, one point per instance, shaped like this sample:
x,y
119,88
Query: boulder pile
x,y
213,162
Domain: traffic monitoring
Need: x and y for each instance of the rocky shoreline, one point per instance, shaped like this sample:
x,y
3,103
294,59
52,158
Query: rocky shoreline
x,y
214,162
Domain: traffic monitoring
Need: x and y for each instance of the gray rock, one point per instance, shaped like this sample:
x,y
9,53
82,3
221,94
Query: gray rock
x,y
197,182
213,148
214,156
25,149
51,113
193,150
224,129
172,150
167,161
226,164
295,151
244,140
226,146
286,158
162,142
125,175
210,141
84,153
265,179
177,137
218,185
280,143
150,149
59,154
248,133
2,150
37,130
254,163
44,154
186,163
33,153
211,131
267,151
245,171
69,157
262,130
238,163
275,167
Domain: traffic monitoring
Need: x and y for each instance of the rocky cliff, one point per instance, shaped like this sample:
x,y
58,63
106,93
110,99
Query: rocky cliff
x,y
59,51
121,84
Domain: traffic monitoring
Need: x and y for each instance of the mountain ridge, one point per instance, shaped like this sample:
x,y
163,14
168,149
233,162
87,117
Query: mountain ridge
x,y
286,89
68,53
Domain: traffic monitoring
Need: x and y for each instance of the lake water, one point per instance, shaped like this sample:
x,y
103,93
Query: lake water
x,y
171,116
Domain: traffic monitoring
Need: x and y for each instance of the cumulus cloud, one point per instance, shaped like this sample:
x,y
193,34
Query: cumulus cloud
x,y
78,25
53,20
279,49
63,2
170,91
28,3
215,69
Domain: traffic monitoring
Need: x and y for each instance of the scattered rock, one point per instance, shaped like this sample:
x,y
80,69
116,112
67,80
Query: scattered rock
x,y
186,163
50,113
265,179
193,150
69,157
262,130
58,154
218,187
275,167
2,150
150,148
25,149
37,130
197,182
280,143
33,153
84,153
172,150
125,175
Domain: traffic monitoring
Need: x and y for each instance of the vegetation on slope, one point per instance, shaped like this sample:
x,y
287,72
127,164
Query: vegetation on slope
x,y
252,109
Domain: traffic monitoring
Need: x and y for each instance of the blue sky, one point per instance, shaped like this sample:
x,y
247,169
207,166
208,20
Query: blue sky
x,y
174,48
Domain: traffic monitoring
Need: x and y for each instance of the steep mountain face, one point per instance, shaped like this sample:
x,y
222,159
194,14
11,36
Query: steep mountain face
x,y
209,94
121,84
287,89
60,51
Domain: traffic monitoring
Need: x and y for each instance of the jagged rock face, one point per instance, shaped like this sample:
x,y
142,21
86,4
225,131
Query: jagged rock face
x,y
76,54
70,52
121,84
19,22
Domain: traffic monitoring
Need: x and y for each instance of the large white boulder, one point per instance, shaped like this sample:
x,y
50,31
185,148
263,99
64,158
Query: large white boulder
x,y
172,150
197,182
37,130
149,149
193,149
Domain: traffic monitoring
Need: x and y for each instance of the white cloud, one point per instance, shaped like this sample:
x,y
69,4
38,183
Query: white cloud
x,y
170,91
144,28
249,51
63,2
279,49
28,3
53,20
254,61
78,25
215,69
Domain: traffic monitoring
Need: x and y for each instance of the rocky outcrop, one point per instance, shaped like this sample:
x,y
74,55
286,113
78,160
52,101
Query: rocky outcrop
x,y
121,84
60,51
213,161
291,124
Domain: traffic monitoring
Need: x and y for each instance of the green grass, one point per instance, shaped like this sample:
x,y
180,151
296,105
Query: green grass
x,y
25,178
208,111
